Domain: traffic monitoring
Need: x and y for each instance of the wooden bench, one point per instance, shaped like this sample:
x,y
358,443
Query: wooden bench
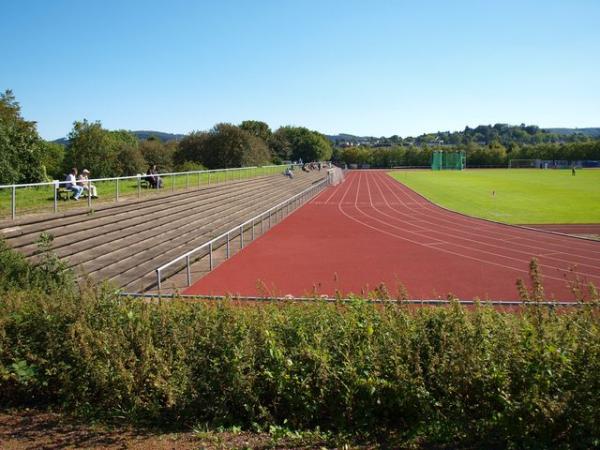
x,y
62,193
145,183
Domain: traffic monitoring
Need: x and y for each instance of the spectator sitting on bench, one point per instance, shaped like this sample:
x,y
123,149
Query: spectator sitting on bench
x,y
153,178
72,184
87,185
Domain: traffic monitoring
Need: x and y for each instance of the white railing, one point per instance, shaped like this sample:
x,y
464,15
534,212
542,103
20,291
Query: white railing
x,y
225,239
253,171
368,299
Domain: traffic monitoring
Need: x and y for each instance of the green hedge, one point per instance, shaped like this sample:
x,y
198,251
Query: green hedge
x,y
449,375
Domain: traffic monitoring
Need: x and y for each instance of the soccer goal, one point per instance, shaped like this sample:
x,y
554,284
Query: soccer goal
x,y
524,163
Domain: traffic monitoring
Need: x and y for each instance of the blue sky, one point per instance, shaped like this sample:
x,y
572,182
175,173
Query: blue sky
x,y
361,67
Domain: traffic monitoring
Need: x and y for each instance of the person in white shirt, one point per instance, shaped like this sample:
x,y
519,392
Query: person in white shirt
x,y
87,185
72,185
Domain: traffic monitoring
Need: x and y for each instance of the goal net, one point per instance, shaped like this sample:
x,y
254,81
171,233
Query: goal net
x,y
448,160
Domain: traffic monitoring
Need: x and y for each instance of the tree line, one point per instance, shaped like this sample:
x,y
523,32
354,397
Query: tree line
x,y
482,135
494,154
25,157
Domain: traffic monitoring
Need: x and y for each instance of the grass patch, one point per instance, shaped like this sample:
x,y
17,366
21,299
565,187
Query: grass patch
x,y
522,196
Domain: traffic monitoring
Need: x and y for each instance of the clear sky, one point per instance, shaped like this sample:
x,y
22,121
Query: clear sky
x,y
365,67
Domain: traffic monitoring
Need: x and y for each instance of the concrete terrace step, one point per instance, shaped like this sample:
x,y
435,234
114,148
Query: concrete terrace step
x,y
63,224
177,227
137,259
128,222
125,243
148,260
205,221
42,218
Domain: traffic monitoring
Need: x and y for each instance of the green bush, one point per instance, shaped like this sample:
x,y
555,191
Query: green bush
x,y
451,376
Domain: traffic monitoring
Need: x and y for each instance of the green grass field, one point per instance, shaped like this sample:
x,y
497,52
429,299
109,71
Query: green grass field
x,y
523,196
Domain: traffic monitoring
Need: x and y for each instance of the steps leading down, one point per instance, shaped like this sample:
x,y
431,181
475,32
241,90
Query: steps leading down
x,y
124,244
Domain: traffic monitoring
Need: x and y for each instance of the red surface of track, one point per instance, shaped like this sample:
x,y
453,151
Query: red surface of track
x,y
372,229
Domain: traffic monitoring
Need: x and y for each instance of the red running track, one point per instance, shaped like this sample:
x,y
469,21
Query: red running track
x,y
372,229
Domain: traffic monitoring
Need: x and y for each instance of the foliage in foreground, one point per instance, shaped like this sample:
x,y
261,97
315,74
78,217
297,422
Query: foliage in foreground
x,y
448,375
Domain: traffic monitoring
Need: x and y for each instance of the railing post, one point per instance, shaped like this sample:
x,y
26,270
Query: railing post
x,y
262,219
139,185
117,190
269,219
172,183
199,179
89,194
210,256
189,271
158,278
187,181
253,229
227,245
209,177
241,237
13,202
56,185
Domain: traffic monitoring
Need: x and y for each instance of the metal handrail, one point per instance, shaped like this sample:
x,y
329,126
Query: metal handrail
x,y
234,230
57,183
350,298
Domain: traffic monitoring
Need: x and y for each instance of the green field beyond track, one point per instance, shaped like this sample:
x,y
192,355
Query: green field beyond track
x,y
524,196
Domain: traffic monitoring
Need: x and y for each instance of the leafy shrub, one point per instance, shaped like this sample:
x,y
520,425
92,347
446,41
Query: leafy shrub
x,y
450,376
49,274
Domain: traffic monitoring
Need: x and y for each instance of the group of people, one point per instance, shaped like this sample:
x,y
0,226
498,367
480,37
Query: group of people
x,y
152,177
80,184
311,166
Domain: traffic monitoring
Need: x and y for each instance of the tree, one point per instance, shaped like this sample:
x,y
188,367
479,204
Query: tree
x,y
280,146
20,144
52,159
225,145
156,152
105,153
91,147
191,148
303,143
257,128
129,160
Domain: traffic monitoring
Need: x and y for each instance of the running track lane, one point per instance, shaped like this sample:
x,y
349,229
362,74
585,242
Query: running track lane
x,y
372,229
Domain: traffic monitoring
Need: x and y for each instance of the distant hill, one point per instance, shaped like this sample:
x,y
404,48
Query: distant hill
x,y
141,135
591,132
504,133
165,137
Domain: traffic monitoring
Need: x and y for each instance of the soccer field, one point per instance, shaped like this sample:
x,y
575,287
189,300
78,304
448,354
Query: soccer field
x,y
523,196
